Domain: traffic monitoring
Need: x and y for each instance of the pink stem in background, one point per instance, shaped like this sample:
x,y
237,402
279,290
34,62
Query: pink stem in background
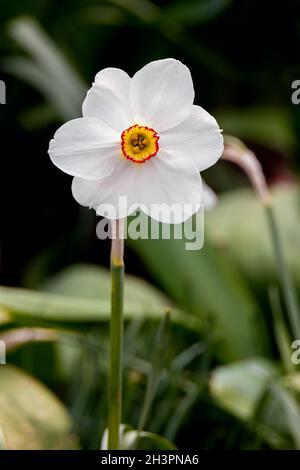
x,y
236,152
117,242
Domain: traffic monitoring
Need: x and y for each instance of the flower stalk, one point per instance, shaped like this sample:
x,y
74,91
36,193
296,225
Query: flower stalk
x,y
288,289
116,335
236,152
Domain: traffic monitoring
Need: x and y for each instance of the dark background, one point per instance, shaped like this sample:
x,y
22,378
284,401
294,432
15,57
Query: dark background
x,y
241,54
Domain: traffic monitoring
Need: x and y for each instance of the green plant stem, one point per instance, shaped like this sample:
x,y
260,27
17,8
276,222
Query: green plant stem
x,y
116,340
289,294
282,334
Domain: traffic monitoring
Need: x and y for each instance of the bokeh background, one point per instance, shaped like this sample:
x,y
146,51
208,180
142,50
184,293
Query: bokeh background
x,y
224,378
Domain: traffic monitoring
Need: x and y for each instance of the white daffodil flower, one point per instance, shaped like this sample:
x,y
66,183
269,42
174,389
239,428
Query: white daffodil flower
x,y
143,138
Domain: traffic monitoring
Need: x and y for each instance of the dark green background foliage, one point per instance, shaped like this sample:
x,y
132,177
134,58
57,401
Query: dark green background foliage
x,y
219,374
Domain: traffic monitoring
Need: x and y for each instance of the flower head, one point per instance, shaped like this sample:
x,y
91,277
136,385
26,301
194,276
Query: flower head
x,y
139,137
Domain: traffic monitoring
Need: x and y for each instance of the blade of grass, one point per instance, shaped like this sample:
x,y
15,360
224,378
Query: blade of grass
x,y
30,72
174,423
291,409
281,331
288,289
157,363
49,63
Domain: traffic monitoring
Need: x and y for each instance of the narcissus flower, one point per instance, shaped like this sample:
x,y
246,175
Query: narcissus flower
x,y
139,137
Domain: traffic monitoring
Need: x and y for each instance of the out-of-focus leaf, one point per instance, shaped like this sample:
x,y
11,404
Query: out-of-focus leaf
x,y
160,349
38,116
291,411
282,335
182,409
72,297
15,338
286,281
268,126
30,72
146,441
48,70
198,51
130,438
208,284
293,381
4,316
145,10
104,15
133,439
254,392
3,445
238,224
193,12
31,416
94,282
238,387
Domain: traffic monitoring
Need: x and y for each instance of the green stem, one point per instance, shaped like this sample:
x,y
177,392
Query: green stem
x,y
289,294
236,152
116,338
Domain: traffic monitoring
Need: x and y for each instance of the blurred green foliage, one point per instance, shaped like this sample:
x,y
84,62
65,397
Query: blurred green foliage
x,y
225,379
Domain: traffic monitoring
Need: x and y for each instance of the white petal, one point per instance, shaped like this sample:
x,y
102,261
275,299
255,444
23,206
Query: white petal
x,y
85,147
209,197
198,137
107,196
169,187
162,94
108,99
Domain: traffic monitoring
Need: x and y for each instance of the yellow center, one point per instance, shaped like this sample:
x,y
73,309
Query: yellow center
x,y
139,143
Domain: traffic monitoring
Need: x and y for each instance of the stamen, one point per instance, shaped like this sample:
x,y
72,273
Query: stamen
x,y
139,143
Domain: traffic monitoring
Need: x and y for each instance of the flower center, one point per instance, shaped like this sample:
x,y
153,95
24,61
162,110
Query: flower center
x,y
139,143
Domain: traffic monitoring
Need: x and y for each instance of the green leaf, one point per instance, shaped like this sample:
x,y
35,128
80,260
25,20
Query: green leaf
x,y
291,411
31,73
130,439
103,15
160,349
193,12
46,68
144,10
238,224
31,416
147,441
3,445
238,387
254,392
94,282
268,126
82,295
282,336
292,381
207,283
